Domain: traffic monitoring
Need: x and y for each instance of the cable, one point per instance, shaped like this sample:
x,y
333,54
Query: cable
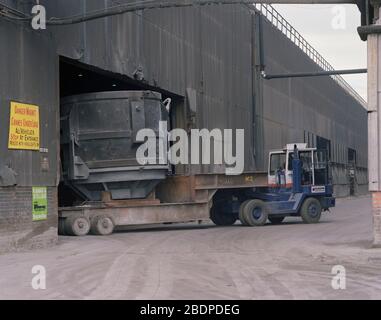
x,y
13,18
142,5
105,10
125,8
11,13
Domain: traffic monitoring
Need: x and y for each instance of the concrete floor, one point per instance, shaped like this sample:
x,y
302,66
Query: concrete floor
x,y
290,261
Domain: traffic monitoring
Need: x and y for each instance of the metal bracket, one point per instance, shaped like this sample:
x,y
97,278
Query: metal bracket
x,y
81,171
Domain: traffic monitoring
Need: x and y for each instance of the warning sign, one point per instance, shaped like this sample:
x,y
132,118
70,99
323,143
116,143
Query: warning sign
x,y
40,203
24,127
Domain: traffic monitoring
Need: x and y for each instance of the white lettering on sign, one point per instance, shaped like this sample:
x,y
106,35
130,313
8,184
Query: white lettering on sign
x,y
318,189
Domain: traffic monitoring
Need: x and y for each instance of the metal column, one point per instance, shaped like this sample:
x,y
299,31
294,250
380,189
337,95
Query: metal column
x,y
374,133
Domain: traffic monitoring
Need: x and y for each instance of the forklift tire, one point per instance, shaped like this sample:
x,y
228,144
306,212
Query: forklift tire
x,y
311,211
255,213
221,218
78,226
241,215
102,226
276,220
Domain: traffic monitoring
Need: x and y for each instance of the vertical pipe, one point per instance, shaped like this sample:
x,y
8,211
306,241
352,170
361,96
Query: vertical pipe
x,y
258,88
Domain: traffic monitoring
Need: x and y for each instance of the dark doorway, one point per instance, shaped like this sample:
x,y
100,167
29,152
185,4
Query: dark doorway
x,y
78,78
352,159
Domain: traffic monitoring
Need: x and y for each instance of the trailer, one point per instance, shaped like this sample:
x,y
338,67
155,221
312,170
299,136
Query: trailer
x,y
179,199
101,168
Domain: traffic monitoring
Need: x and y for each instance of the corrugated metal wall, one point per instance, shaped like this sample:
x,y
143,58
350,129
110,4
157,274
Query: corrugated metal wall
x,y
29,74
212,50
206,49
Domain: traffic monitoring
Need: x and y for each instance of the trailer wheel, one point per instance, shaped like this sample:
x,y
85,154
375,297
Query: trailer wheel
x,y
255,213
276,220
76,226
61,227
241,215
221,218
311,211
102,226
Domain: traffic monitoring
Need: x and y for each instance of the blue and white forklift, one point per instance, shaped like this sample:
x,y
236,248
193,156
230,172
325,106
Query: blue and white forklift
x,y
299,185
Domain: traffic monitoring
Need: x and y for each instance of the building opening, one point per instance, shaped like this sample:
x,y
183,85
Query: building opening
x,y
352,171
100,114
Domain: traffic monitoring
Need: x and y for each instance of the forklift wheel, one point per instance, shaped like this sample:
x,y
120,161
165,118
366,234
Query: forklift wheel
x,y
221,218
255,213
276,220
241,215
311,211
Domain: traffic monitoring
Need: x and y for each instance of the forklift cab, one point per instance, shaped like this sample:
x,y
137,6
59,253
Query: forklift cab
x,y
314,166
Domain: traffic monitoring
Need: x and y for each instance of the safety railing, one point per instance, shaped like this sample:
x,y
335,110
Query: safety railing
x,y
277,20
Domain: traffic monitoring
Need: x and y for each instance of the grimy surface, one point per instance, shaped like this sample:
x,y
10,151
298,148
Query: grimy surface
x,y
290,261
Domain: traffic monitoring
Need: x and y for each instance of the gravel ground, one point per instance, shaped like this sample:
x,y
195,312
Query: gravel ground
x,y
289,261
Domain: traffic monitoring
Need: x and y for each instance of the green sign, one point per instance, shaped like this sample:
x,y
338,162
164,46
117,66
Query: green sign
x,y
40,203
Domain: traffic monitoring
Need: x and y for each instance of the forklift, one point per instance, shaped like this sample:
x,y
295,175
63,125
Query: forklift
x,y
299,185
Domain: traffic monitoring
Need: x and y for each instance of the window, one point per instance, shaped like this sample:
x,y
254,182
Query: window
x,y
306,160
352,156
324,144
305,157
277,162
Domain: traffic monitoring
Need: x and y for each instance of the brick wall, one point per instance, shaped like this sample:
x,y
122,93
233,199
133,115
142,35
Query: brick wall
x,y
18,231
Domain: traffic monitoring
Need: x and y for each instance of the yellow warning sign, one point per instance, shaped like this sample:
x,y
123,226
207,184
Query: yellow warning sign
x,y
24,128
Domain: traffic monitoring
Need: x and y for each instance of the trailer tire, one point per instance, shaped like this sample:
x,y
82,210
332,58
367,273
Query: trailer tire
x,y
221,218
241,215
255,213
102,226
311,211
78,226
276,220
61,227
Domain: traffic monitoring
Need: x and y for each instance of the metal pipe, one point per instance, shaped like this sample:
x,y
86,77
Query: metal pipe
x,y
260,42
364,31
312,74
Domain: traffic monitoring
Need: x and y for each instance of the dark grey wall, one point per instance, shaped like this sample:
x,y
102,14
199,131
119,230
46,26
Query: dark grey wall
x,y
212,50
206,49
28,74
29,69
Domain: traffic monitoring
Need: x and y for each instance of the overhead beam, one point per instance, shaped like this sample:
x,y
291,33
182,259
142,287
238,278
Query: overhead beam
x,y
306,1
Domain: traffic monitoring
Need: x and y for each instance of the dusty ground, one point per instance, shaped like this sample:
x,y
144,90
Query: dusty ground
x,y
290,261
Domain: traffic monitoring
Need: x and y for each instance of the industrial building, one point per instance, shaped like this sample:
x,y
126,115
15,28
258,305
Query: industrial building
x,y
209,60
